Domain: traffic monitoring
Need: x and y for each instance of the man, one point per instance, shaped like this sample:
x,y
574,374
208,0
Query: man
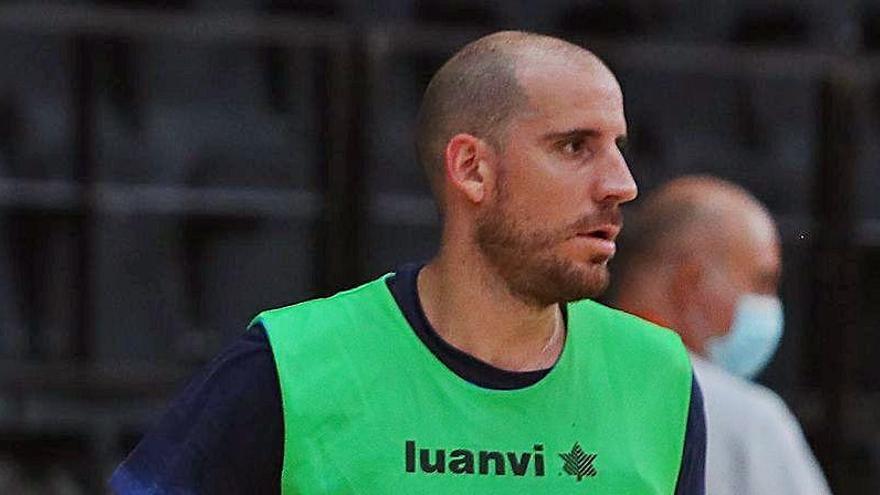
x,y
478,372
703,257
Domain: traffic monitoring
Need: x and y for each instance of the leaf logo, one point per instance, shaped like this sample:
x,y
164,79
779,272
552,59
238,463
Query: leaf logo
x,y
578,463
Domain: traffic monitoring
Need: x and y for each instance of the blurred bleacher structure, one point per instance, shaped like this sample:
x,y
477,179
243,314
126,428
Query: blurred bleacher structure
x,y
169,168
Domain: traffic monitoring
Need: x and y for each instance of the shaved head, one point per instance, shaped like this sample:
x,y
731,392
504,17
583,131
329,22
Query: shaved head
x,y
520,136
694,214
691,250
478,91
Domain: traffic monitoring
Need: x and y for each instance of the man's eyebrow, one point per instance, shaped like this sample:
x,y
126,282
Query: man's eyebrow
x,y
570,134
579,133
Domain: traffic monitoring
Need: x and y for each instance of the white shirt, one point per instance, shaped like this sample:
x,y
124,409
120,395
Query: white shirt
x,y
754,443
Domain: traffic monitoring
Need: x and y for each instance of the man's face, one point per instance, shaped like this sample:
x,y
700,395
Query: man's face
x,y
751,264
549,229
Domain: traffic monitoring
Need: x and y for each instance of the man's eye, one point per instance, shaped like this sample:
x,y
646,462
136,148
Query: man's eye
x,y
572,147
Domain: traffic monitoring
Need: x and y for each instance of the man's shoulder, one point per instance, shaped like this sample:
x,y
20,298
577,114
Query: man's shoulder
x,y
751,419
737,397
628,327
349,321
320,305
631,345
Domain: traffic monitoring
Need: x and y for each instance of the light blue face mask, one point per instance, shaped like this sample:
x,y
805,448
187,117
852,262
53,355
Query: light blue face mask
x,y
753,337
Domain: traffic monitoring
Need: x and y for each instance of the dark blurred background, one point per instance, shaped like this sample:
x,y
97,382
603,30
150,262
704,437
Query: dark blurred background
x,y
170,168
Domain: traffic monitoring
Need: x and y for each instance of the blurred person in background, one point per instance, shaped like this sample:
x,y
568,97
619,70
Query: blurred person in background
x,y
702,256
486,370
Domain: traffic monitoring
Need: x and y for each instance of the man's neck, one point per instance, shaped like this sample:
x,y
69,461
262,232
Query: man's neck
x,y
470,306
650,303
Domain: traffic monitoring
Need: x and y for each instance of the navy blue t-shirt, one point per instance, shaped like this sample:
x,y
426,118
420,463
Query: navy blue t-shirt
x,y
225,432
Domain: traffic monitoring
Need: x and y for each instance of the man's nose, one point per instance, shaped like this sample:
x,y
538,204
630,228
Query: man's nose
x,y
616,184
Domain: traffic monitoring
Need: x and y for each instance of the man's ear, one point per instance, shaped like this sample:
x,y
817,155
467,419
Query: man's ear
x,y
686,279
468,167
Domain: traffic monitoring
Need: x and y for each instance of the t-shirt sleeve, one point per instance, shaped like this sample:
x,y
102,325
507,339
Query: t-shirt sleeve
x,y
692,474
223,434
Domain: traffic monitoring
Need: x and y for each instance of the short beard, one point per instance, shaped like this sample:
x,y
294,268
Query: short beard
x,y
526,262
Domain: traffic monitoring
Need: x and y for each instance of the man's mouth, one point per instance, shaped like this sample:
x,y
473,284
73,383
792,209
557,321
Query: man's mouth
x,y
603,232
601,240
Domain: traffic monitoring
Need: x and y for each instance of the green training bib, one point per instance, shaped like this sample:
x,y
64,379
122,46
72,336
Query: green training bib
x,y
369,409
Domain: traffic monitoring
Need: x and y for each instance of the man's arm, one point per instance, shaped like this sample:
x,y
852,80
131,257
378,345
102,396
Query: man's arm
x,y
692,474
223,434
780,460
